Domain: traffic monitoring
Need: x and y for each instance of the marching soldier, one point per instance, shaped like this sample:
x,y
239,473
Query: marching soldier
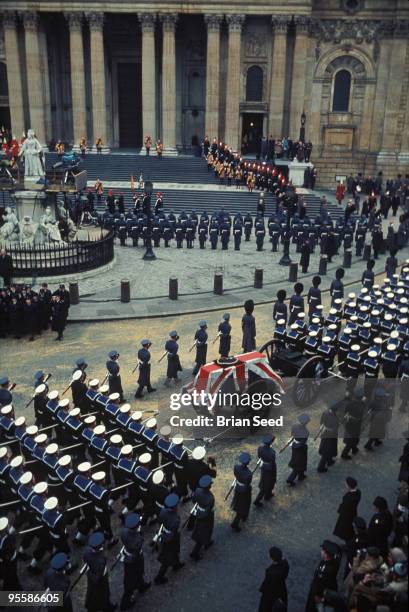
x,y
380,415
203,513
98,597
79,390
196,467
224,331
242,490
8,557
169,539
42,418
114,377
134,563
296,303
371,367
299,450
6,397
56,579
144,366
100,496
174,365
354,413
201,338
268,470
180,460
328,448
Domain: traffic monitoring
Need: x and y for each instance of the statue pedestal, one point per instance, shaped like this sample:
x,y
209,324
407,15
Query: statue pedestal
x,y
296,172
31,204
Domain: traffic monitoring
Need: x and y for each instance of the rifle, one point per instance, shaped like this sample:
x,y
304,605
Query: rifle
x,y
117,559
233,484
191,513
163,356
319,432
286,445
217,337
83,571
135,368
192,347
32,398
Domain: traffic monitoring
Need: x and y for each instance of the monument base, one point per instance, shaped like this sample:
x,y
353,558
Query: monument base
x,y
31,204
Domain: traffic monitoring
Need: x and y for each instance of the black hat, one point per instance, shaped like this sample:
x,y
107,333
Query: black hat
x,y
281,295
380,503
340,273
249,306
359,523
298,287
330,548
316,281
276,554
371,264
351,482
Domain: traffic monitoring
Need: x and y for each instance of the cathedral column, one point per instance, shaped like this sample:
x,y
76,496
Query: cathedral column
x,y
278,74
99,112
169,83
298,75
79,111
148,75
13,73
213,23
35,88
403,153
232,120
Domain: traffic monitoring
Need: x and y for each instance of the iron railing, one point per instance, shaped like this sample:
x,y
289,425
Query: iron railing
x,y
52,259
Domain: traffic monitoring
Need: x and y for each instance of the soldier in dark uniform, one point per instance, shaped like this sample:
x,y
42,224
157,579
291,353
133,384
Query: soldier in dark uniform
x,y
380,526
380,415
299,450
58,316
347,511
196,467
280,310
179,234
114,377
56,579
174,365
190,233
224,331
337,286
268,470
260,232
134,563
98,597
354,412
242,490
144,366
237,232
203,513
314,296
79,390
325,576
274,589
225,234
201,346
6,397
296,303
202,233
8,557
328,449
248,226
368,276
169,539
248,325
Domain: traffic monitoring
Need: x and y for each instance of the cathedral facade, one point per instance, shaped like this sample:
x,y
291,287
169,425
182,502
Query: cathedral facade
x,y
179,70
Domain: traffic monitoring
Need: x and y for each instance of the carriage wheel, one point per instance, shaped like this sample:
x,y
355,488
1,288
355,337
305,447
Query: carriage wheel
x,y
308,382
270,349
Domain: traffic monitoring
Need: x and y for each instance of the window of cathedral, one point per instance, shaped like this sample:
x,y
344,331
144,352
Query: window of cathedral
x,y
254,84
342,92
4,90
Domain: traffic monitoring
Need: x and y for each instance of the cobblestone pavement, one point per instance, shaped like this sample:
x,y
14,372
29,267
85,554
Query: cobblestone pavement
x,y
297,520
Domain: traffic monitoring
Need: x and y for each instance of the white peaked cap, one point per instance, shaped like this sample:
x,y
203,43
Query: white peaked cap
x,y
98,476
99,430
53,394
77,374
85,466
52,449
151,423
32,430
64,460
199,452
20,421
51,503
16,461
144,458
40,488
40,389
178,439
158,476
26,478
126,450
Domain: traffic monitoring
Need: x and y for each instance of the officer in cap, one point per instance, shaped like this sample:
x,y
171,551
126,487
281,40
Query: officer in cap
x,y
380,414
169,538
42,418
8,557
39,377
299,450
6,397
56,579
134,563
144,365
197,467
98,596
354,413
325,576
224,331
242,490
203,514
79,389
268,470
201,338
328,449
114,377
174,365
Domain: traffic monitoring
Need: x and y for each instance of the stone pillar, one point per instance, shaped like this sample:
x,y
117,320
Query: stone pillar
x,y
403,152
46,82
148,75
213,23
99,112
232,136
387,155
13,73
278,74
35,83
298,76
169,83
79,110
382,78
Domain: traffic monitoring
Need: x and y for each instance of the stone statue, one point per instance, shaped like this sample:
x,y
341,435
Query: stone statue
x,y
10,229
49,226
28,230
69,225
31,151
